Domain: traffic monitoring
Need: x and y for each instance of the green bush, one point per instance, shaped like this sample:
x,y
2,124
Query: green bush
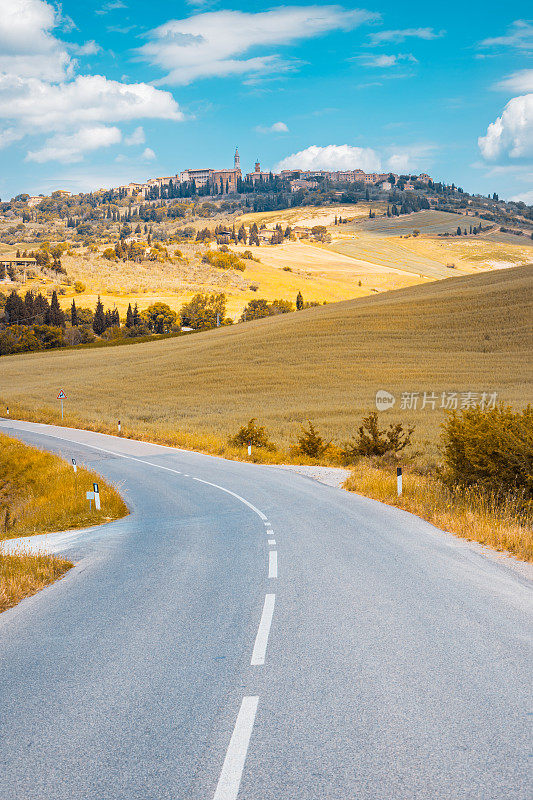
x,y
310,443
252,434
371,440
491,449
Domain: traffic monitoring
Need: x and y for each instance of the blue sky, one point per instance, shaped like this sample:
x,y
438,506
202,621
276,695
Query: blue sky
x,y
99,94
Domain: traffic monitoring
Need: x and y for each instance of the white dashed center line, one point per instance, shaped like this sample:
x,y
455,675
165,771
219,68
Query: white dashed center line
x,y
230,777
272,541
273,564
261,640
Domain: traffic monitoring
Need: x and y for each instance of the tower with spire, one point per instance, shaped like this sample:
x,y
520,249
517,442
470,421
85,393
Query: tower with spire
x,y
237,159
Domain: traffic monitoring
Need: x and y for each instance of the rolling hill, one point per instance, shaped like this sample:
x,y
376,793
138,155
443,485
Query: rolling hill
x,y
464,334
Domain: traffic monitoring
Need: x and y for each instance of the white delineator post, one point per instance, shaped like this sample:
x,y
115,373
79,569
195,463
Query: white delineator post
x,y
249,449
399,480
96,496
74,466
7,411
119,426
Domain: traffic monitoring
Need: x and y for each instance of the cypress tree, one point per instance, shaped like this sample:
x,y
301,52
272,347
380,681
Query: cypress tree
x,y
55,316
99,319
136,316
299,301
74,321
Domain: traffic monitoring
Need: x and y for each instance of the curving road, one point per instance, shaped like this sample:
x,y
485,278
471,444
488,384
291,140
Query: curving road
x,y
248,633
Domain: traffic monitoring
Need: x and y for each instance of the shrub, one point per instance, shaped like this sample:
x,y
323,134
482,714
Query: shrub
x,y
492,449
79,287
110,254
310,443
373,441
252,434
223,260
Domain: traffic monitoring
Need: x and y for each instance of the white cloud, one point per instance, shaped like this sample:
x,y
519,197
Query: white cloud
x,y
519,36
87,49
511,134
88,98
411,159
387,61
137,137
214,43
40,93
332,157
402,160
69,148
148,154
518,82
27,45
406,33
524,197
277,127
114,5
8,136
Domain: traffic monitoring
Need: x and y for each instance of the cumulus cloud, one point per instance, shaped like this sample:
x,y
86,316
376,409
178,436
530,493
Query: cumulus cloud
x,y
384,61
519,36
402,160
518,82
148,154
524,197
409,159
276,127
69,148
511,134
39,91
214,43
27,44
88,98
137,137
405,33
332,157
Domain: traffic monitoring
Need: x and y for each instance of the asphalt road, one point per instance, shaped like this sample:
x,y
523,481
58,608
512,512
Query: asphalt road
x,y
372,658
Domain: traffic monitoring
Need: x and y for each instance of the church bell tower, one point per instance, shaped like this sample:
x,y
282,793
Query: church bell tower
x,y
237,159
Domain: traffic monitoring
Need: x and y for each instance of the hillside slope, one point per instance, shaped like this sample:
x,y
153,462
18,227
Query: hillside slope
x,y
461,334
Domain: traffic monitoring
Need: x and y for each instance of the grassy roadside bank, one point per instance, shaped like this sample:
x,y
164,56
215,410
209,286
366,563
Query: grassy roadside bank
x,y
39,493
468,515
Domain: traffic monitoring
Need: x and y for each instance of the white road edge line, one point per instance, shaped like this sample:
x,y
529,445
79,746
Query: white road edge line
x,y
261,640
230,777
273,564
142,461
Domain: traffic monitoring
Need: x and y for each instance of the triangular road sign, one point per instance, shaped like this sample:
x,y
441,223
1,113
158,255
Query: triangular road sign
x,y
61,395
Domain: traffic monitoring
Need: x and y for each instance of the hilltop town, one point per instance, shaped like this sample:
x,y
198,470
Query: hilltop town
x,y
245,244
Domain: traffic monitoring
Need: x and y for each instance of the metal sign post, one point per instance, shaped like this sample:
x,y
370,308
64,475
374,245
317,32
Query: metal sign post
x,y
61,396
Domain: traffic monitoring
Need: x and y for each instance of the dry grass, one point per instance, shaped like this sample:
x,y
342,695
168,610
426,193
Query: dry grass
x,y
469,515
323,364
22,575
39,493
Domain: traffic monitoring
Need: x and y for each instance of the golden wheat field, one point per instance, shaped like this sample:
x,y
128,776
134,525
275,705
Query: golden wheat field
x,y
468,334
